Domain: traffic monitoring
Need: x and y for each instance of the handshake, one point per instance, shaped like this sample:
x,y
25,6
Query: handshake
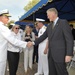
x,y
30,44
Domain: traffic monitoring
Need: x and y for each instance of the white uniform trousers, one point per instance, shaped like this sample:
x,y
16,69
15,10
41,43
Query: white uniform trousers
x,y
2,67
28,54
43,64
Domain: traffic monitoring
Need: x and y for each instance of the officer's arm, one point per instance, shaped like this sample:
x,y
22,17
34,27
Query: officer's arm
x,y
41,38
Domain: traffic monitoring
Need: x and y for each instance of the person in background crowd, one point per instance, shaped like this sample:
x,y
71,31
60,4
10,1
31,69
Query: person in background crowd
x,y
28,52
21,32
10,26
42,61
35,52
73,31
60,43
13,51
5,37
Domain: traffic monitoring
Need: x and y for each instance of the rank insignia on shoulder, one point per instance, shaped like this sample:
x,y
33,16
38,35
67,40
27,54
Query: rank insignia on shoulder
x,y
45,27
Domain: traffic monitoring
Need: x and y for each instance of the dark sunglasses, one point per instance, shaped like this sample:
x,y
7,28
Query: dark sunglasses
x,y
16,28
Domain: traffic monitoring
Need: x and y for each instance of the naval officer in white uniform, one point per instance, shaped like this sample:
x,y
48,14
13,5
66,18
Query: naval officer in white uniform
x,y
5,37
43,61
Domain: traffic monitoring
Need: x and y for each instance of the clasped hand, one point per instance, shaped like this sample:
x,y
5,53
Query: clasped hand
x,y
29,44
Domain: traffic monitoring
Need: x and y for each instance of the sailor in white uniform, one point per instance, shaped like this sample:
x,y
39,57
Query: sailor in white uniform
x,y
5,37
43,61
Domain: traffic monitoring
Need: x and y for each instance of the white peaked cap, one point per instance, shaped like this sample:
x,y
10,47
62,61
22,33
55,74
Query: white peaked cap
x,y
41,20
5,12
12,24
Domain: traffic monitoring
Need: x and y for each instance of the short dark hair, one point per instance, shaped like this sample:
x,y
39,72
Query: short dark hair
x,y
71,25
10,26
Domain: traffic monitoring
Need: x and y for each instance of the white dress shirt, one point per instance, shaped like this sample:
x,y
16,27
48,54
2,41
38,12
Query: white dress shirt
x,y
56,21
5,37
12,47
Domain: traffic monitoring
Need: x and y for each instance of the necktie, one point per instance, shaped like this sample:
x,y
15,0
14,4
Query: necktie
x,y
52,25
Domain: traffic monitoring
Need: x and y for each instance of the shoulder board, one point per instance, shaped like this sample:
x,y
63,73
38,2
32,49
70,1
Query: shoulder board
x,y
45,27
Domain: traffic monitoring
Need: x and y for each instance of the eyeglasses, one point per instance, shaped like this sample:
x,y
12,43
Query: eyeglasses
x,y
16,28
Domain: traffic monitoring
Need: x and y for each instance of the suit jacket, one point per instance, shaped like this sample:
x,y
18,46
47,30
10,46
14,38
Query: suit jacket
x,y
60,40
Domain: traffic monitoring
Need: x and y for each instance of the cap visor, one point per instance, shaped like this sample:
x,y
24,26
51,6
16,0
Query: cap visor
x,y
8,15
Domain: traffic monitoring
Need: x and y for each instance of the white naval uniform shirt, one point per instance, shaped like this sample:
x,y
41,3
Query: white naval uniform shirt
x,y
12,47
41,31
42,45
5,37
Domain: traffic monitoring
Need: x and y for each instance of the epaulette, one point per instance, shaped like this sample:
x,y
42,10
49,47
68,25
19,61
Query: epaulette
x,y
45,27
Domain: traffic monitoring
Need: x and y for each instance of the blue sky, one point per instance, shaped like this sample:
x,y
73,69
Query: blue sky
x,y
15,7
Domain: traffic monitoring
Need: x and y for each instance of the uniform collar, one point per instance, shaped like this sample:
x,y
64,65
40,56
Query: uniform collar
x,y
1,23
43,26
